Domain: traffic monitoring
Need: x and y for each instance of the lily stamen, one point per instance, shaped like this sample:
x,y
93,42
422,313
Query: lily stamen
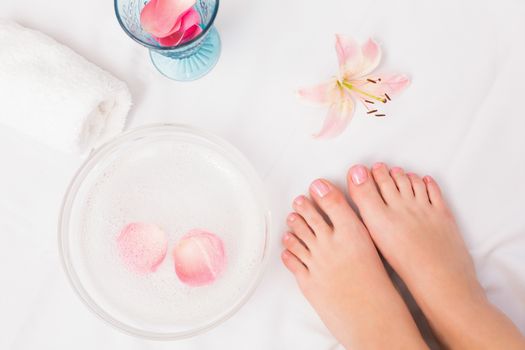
x,y
351,87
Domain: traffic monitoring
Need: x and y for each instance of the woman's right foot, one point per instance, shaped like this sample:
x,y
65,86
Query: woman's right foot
x,y
415,231
339,271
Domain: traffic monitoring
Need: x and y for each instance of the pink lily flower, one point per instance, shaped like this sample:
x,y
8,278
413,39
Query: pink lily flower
x,y
354,83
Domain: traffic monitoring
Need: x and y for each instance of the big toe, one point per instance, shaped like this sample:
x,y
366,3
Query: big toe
x,y
334,204
364,192
434,193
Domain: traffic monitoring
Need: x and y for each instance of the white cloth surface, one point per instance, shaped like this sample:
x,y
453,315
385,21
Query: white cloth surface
x,y
56,96
459,121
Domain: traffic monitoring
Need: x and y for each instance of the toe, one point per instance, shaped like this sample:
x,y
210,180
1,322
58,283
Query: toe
x,y
293,264
420,191
304,207
333,203
434,192
384,181
363,191
402,182
296,247
301,229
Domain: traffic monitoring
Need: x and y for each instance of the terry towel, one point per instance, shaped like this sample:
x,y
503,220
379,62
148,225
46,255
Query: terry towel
x,y
51,93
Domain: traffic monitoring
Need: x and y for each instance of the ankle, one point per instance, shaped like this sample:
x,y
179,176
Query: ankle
x,y
479,324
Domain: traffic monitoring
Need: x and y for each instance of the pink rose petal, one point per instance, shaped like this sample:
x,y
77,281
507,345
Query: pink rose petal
x,y
176,27
172,40
142,247
190,18
199,258
191,33
159,17
188,24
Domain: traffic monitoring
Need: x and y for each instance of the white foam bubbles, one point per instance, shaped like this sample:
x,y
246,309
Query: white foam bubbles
x,y
178,187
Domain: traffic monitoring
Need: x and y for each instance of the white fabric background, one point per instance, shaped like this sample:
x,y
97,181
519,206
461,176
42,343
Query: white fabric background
x,y
462,121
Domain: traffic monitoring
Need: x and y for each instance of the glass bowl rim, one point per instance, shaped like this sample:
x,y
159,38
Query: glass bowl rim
x,y
69,200
167,48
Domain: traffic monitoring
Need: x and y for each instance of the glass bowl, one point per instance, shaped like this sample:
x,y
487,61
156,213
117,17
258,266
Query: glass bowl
x,y
178,178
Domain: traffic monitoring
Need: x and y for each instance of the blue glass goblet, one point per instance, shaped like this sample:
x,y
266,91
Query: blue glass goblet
x,y
188,61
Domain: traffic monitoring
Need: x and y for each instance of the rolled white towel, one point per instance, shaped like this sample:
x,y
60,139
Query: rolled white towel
x,y
51,93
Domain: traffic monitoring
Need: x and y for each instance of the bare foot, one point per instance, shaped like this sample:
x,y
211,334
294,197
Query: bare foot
x,y
412,226
339,271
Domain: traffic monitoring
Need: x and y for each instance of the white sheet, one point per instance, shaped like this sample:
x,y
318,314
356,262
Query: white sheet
x,y
461,121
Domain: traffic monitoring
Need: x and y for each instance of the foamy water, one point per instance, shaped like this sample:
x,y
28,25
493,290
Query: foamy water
x,y
178,188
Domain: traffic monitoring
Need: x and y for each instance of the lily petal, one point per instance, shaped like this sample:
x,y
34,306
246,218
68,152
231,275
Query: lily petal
x,y
388,84
338,118
159,17
324,93
349,55
371,54
396,83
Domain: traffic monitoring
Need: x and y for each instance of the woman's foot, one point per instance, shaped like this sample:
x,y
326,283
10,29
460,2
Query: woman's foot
x,y
415,231
339,271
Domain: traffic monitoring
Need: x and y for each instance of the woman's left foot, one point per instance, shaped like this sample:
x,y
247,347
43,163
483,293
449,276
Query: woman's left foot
x,y
412,226
339,271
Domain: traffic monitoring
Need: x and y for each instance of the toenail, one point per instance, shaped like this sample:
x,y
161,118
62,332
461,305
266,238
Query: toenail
x,y
291,217
427,179
320,188
378,166
358,174
396,170
299,200
286,237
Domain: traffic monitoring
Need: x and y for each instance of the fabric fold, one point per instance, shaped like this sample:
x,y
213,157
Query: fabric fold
x,y
54,95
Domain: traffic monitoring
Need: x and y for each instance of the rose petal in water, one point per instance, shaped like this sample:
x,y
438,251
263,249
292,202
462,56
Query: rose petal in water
x,y
142,246
199,258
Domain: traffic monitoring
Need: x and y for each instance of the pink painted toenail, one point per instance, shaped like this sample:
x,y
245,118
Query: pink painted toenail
x,y
299,200
427,179
291,218
396,170
320,188
359,174
286,237
378,166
